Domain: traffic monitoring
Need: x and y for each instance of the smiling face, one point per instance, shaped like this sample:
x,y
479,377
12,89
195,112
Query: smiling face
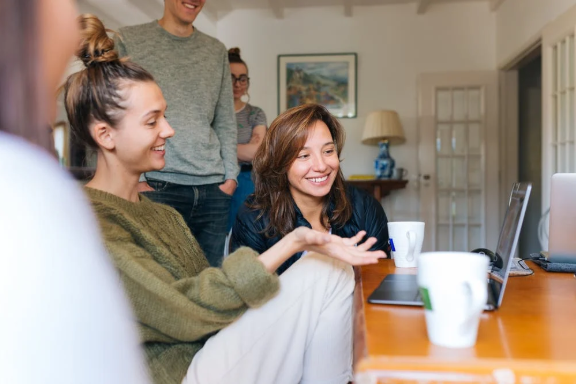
x,y
183,11
239,85
313,172
140,137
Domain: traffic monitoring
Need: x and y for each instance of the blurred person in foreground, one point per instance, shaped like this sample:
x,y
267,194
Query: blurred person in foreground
x,y
63,313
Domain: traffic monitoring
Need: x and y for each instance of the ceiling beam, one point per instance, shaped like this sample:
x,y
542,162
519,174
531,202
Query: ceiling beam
x,y
495,4
423,6
348,8
277,7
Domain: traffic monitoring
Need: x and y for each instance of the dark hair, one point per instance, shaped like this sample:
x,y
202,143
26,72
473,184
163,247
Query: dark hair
x,y
93,94
284,139
234,57
23,107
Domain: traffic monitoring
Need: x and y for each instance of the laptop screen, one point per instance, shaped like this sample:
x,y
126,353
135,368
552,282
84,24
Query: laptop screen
x,y
509,236
562,242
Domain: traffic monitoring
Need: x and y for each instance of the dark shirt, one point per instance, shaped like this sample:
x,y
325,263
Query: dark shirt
x,y
367,214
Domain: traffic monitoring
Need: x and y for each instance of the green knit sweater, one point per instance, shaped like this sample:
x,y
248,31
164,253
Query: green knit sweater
x,y
179,301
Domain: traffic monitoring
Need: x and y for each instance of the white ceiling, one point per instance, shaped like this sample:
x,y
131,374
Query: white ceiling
x,y
278,6
116,11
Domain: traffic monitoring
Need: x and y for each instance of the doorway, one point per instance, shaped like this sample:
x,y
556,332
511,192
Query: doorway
x,y
530,147
458,159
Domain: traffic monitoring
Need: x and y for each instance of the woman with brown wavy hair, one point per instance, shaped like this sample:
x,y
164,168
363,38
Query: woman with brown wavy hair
x,y
298,182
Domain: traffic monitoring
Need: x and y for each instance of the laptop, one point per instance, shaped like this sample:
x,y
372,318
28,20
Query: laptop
x,y
403,289
562,230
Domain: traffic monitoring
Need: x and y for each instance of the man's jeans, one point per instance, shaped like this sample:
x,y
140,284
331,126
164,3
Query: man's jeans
x,y
205,209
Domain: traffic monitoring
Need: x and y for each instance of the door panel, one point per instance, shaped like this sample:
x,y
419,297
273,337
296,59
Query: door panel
x,y
458,160
558,101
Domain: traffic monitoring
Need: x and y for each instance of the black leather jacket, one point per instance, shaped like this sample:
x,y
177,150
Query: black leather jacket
x,y
367,214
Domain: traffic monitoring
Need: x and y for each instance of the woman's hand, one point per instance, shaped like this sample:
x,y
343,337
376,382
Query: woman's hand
x,y
228,186
144,187
347,250
296,241
306,239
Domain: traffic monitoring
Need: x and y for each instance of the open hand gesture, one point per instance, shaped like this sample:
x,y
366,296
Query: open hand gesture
x,y
345,249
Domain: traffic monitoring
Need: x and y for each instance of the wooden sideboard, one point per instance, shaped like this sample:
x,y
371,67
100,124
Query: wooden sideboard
x,y
378,187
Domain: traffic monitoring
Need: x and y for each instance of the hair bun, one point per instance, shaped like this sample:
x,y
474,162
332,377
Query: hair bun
x,y
234,51
96,46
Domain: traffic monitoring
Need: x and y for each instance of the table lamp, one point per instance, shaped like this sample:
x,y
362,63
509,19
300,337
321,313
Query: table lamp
x,y
383,128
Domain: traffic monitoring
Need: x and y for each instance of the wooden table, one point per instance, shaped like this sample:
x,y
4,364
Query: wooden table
x,y
531,338
378,187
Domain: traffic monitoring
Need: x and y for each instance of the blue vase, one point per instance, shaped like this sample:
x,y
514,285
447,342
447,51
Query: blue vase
x,y
384,164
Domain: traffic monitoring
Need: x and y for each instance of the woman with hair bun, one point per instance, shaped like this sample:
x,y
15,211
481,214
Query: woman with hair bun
x,y
251,122
240,323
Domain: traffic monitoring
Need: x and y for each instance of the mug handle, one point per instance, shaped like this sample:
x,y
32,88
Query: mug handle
x,y
478,296
411,235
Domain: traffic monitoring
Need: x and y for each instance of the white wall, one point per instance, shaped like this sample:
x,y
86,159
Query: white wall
x,y
520,22
206,25
394,45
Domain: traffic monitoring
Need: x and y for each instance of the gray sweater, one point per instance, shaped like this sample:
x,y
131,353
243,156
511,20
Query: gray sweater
x,y
194,75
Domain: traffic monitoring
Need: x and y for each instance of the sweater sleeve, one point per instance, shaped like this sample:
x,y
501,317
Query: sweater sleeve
x,y
224,124
192,308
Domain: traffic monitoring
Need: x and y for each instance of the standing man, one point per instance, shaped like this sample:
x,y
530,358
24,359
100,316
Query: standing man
x,y
193,72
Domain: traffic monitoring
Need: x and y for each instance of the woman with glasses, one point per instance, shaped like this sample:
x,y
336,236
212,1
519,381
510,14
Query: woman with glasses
x,y
251,122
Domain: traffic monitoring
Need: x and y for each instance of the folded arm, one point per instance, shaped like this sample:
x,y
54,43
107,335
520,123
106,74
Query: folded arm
x,y
247,151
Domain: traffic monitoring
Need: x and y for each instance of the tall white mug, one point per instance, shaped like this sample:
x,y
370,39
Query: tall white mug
x,y
454,292
406,239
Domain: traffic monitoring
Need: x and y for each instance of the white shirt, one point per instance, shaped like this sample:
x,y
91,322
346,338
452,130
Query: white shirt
x,y
63,315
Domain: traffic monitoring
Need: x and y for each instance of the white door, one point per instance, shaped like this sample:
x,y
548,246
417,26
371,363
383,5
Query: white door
x,y
558,103
458,160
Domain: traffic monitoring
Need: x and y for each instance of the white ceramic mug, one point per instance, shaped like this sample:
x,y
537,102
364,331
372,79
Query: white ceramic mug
x,y
406,239
399,173
454,291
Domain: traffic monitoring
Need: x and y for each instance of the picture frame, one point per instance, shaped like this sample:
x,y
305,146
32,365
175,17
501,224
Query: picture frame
x,y
329,79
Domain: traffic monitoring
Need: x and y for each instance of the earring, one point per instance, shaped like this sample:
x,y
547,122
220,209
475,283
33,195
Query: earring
x,y
245,98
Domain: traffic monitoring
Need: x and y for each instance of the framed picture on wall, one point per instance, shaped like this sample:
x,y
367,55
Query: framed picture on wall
x,y
328,79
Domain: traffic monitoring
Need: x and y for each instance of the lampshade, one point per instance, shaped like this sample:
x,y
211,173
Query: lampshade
x,y
383,125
